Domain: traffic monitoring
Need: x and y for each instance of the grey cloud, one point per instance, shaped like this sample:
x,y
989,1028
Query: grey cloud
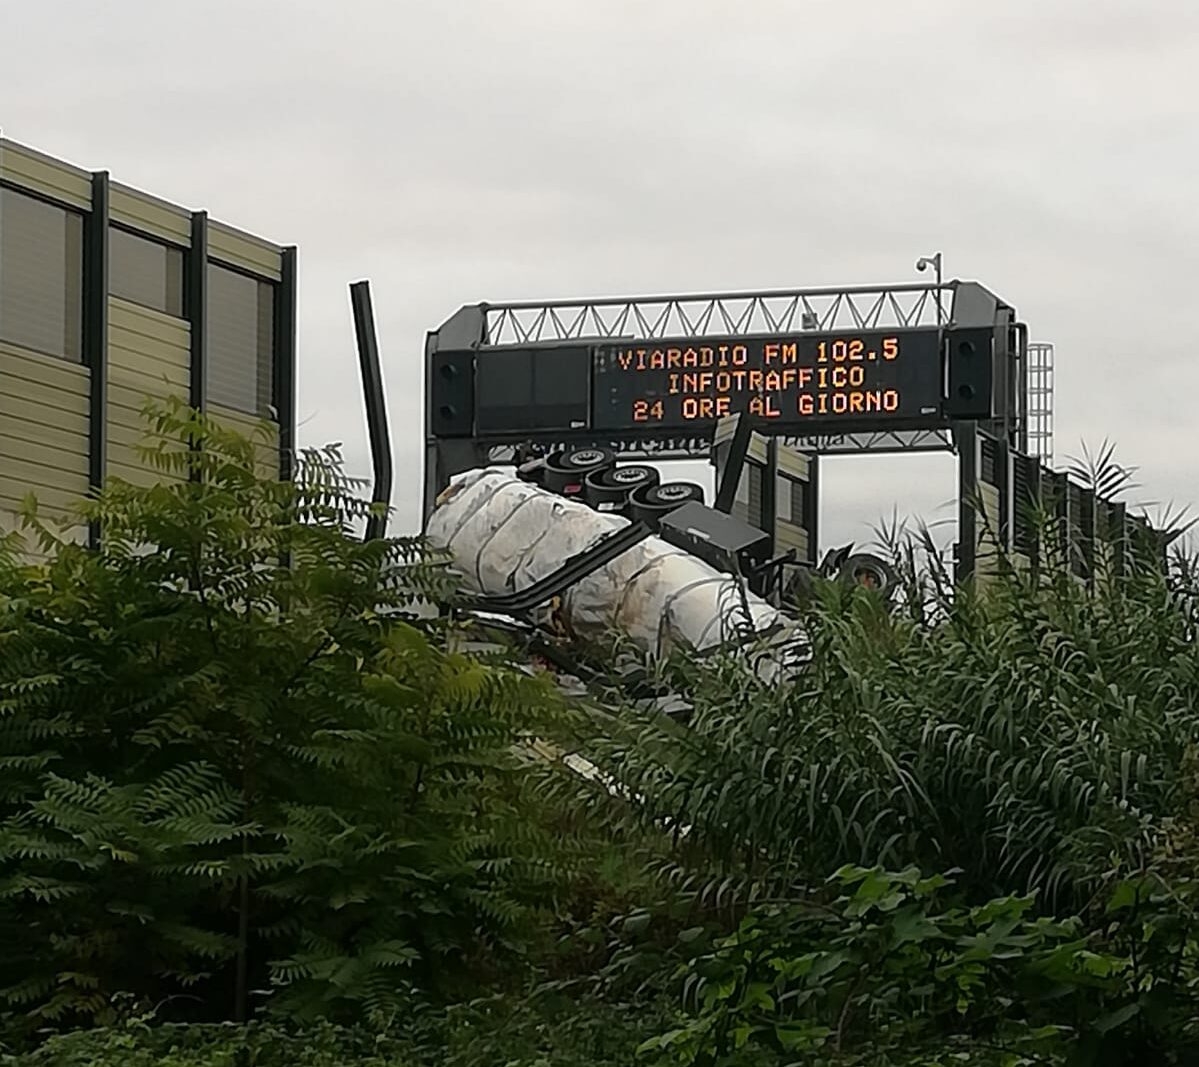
x,y
469,150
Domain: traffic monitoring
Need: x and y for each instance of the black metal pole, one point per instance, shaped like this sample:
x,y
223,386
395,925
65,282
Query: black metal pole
x,y
376,405
734,464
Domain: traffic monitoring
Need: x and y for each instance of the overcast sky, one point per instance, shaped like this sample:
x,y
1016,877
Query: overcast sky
x,y
455,151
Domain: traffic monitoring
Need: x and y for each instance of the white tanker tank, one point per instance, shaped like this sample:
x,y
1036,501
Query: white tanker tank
x,y
504,535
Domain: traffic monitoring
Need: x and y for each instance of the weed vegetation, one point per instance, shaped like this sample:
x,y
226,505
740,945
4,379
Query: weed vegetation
x,y
259,805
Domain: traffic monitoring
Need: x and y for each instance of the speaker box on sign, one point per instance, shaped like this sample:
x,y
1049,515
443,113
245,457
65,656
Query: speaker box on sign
x,y
452,394
971,373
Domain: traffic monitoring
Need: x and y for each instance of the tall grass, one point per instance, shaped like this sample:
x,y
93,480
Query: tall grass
x,y
1031,731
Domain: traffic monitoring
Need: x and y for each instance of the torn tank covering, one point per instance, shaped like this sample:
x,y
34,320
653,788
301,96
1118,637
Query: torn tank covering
x,y
504,535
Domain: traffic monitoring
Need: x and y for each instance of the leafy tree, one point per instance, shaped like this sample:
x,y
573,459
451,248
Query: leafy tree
x,y
241,761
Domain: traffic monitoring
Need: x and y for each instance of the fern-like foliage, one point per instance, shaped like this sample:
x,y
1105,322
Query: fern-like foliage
x,y
240,766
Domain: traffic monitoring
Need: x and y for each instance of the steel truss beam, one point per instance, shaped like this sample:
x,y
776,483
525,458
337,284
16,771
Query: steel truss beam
x,y
879,441
720,314
671,448
630,448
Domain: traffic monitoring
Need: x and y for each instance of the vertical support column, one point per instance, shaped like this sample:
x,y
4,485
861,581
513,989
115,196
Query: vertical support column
x,y
1003,482
197,308
770,490
1117,533
1088,529
1037,497
95,337
433,472
1026,505
285,374
1003,377
465,330
432,479
812,508
1020,344
196,273
1059,487
965,438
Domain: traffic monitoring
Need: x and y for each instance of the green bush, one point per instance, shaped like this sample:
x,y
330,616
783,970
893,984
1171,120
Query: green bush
x,y
236,771
886,969
513,1032
226,1045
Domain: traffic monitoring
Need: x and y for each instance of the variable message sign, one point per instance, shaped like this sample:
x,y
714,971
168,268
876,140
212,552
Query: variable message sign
x,y
807,381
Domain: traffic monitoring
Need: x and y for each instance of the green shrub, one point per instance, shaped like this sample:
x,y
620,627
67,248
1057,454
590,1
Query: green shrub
x,y
540,1031
228,1045
236,772
885,968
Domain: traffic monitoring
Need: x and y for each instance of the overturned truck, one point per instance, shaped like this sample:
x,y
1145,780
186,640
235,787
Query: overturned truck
x,y
643,566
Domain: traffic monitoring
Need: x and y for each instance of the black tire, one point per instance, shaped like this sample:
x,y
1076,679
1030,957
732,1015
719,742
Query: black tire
x,y
865,568
649,505
566,471
609,490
